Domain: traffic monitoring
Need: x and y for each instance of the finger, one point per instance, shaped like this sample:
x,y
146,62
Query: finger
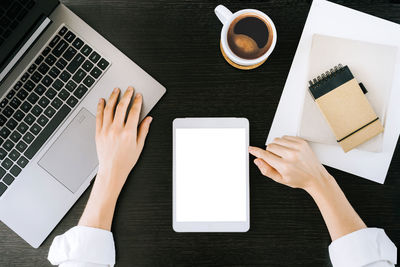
x,y
279,150
267,156
285,142
120,112
293,138
268,170
110,107
143,131
134,112
99,115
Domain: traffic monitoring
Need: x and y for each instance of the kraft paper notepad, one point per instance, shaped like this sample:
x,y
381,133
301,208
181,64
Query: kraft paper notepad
x,y
371,63
341,101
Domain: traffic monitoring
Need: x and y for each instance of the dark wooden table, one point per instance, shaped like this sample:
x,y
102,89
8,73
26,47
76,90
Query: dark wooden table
x,y
177,42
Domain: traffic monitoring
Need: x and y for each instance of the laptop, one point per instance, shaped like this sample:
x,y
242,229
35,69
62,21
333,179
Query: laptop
x,y
53,69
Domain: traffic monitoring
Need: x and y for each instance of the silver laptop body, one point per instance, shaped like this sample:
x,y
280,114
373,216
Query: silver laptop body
x,y
62,169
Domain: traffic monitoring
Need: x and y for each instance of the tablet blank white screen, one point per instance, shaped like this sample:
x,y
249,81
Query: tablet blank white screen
x,y
210,174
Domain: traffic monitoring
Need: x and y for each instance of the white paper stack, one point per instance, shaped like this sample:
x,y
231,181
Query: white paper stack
x,y
372,64
326,18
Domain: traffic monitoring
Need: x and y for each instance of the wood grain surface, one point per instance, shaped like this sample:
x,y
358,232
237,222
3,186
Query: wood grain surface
x,y
178,43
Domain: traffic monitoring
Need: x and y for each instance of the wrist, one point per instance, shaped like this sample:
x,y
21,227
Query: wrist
x,y
320,185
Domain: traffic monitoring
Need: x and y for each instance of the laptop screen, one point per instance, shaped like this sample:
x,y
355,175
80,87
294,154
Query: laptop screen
x,y
19,19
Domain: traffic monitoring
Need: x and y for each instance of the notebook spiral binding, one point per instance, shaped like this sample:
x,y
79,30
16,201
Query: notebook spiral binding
x,y
326,75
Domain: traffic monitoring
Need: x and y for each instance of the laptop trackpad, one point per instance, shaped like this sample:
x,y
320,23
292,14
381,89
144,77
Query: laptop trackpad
x,y
73,156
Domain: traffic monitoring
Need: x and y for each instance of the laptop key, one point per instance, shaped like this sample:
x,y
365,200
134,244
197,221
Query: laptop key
x,y
43,68
3,103
4,132
50,93
8,179
22,94
3,188
69,36
56,103
75,63
15,136
22,162
94,57
71,86
46,51
36,77
65,76
54,72
29,85
33,98
18,85
60,48
63,31
96,72
11,124
50,59
44,102
2,120
2,172
7,163
86,50
29,119
40,89
61,63
39,59
22,127
21,146
47,131
15,102
54,41
25,77
88,81
58,84
49,111
28,137
72,101
36,110
15,170
69,53
87,65
63,94
47,81
14,155
78,43
32,68
79,75
12,93
8,145
42,120
103,64
80,91
26,106
35,129
8,111
3,153
18,115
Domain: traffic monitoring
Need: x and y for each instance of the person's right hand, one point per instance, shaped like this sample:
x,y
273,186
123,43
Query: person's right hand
x,y
290,161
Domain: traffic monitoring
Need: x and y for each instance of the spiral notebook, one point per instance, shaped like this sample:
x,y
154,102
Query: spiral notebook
x,y
342,102
372,64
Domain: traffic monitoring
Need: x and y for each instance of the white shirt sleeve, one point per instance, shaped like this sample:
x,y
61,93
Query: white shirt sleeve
x,y
369,247
83,246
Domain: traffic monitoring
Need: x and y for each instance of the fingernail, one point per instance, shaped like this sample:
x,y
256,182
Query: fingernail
x,y
138,95
130,89
100,100
116,90
256,162
151,119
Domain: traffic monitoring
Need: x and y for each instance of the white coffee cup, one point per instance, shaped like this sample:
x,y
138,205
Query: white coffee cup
x,y
227,17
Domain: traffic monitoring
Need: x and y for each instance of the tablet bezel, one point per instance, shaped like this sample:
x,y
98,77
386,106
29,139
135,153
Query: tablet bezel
x,y
206,226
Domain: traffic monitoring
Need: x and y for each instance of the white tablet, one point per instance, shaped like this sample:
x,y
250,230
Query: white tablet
x,y
211,175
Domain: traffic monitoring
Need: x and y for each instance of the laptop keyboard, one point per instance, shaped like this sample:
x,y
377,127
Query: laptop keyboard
x,y
11,14
56,81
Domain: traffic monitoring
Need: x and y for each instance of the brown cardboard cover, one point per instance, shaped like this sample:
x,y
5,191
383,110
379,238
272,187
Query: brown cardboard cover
x,y
346,110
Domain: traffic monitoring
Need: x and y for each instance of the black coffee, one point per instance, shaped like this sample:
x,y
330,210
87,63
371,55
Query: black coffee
x,y
248,37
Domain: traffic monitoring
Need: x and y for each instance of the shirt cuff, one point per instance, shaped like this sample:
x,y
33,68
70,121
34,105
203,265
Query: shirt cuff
x,y
83,244
362,247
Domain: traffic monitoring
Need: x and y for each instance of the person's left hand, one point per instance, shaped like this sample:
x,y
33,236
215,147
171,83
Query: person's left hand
x,y
119,142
